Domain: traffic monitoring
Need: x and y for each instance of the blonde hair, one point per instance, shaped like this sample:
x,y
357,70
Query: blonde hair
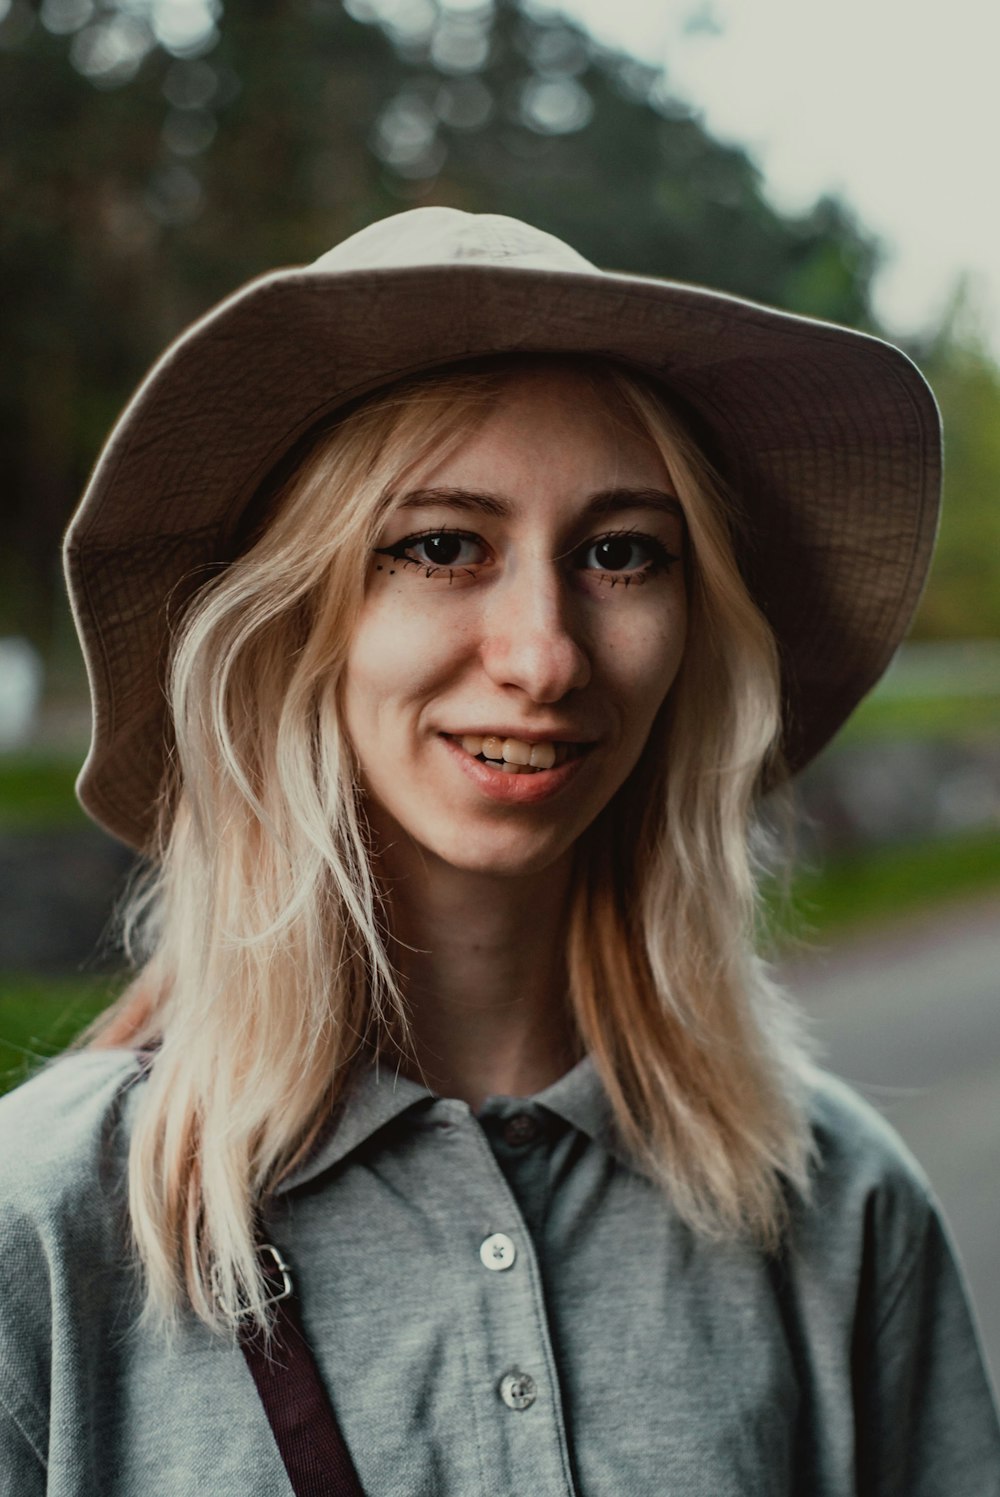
x,y
266,970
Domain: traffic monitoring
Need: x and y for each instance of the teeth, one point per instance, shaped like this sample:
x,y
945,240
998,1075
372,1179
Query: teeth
x,y
514,755
516,752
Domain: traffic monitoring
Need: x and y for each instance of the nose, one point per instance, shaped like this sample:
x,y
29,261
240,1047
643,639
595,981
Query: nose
x,y
532,641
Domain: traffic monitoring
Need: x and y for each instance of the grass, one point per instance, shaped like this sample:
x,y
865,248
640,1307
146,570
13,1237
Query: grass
x,y
883,717
39,1016
865,890
36,792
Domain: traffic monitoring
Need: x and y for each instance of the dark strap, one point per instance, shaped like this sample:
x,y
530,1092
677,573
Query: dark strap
x,y
296,1404
291,1391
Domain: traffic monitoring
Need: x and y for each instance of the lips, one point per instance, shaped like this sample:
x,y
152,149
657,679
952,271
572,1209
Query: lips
x,y
514,754
506,780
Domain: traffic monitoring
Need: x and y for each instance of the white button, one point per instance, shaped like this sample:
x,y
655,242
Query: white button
x,y
498,1251
518,1390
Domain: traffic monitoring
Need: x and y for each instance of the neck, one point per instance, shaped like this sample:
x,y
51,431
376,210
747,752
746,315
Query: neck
x,y
482,964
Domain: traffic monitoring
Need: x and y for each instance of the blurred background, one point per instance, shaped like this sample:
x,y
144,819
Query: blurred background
x,y
154,154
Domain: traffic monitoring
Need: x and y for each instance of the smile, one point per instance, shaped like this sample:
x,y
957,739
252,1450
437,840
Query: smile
x,y
501,779
514,755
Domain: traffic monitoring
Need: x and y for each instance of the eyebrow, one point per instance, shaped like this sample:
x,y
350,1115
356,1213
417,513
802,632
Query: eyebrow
x,y
606,502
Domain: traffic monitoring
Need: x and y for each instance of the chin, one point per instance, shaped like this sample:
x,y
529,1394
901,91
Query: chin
x,y
498,858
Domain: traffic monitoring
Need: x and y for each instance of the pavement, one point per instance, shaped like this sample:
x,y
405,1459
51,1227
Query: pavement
x,y
911,1017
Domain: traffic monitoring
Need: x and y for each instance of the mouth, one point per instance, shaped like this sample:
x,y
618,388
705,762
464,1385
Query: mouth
x,y
515,756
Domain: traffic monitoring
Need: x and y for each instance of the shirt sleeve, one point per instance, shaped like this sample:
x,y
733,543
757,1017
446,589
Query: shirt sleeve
x,y
926,1419
24,1318
22,1469
21,1464
60,1224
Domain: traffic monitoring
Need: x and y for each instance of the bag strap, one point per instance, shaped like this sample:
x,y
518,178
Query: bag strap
x,y
288,1383
294,1399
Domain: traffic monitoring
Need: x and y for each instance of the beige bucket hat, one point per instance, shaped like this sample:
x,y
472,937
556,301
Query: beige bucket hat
x,y
830,437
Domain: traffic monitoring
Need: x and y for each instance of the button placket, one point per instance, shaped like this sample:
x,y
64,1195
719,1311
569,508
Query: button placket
x,y
531,1453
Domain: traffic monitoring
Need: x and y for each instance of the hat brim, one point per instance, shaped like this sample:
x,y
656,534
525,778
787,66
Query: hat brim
x,y
830,437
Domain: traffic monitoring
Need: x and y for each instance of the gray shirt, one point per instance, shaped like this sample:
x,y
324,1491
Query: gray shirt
x,y
499,1305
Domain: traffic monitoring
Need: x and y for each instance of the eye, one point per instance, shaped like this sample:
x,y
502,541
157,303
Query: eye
x,y
434,549
625,552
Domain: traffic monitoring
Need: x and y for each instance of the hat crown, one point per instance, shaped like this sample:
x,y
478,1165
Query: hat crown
x,y
449,236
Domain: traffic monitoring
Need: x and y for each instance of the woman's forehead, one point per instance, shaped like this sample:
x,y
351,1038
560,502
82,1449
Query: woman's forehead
x,y
551,421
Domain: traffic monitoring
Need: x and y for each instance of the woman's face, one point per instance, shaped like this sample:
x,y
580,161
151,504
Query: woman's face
x,y
526,602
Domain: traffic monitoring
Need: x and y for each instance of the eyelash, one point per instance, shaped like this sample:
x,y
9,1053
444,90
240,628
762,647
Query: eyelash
x,y
661,560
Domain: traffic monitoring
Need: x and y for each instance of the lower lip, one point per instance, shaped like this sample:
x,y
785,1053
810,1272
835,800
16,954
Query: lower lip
x,y
513,789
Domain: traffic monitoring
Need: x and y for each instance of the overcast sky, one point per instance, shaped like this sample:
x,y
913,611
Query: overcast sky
x,y
893,103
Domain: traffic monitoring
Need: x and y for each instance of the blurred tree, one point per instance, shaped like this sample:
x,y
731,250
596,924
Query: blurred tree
x,y
155,153
963,595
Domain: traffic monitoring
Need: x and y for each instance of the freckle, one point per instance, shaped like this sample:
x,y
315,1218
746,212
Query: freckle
x,y
392,572
378,569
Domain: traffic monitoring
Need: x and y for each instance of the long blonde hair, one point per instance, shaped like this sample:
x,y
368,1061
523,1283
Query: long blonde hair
x,y
262,933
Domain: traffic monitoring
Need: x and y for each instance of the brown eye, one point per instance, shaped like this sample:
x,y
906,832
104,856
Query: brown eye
x,y
437,550
442,550
625,552
616,555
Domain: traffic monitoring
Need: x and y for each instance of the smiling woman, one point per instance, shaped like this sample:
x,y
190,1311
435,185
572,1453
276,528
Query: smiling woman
x,y
441,653
537,637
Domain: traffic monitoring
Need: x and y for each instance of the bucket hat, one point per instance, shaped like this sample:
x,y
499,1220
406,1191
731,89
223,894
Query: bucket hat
x,y
829,437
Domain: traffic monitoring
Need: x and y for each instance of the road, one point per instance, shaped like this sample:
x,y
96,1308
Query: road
x,y
911,1017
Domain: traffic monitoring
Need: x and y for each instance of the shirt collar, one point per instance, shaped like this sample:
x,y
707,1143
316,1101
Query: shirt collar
x,y
378,1094
580,1100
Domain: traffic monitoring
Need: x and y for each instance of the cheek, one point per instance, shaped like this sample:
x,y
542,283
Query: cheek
x,y
396,656
644,659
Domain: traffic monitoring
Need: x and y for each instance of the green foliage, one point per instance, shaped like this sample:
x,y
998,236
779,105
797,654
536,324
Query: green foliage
x,y
36,791
963,596
40,1016
883,717
869,889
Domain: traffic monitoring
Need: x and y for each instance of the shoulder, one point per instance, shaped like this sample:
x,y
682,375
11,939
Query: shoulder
x,y
855,1147
879,1288
64,1135
871,1206
64,1245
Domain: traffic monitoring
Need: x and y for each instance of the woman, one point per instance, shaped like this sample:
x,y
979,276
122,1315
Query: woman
x,y
448,607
